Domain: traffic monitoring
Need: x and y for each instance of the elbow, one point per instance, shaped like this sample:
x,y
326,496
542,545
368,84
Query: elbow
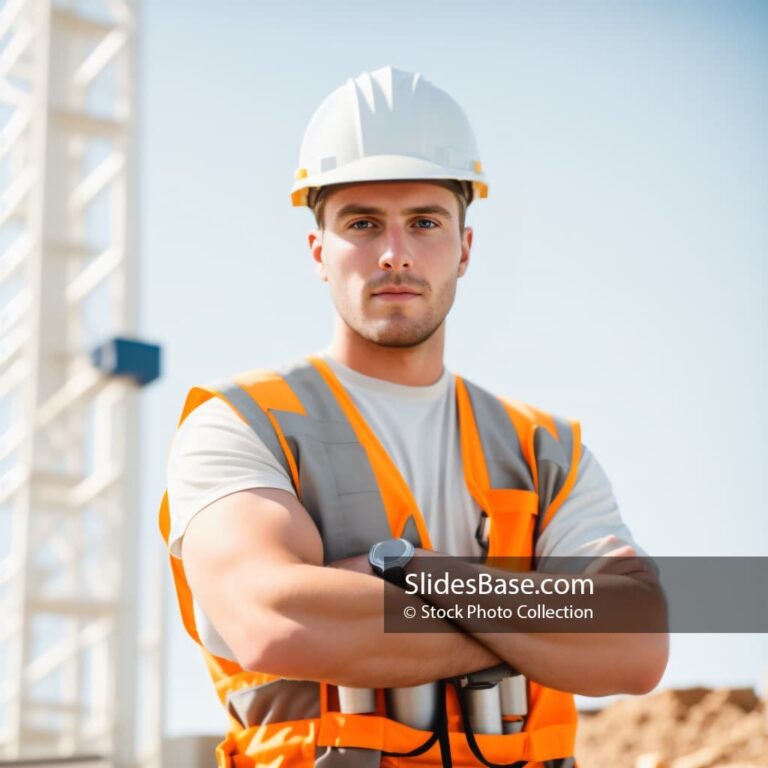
x,y
267,633
268,647
652,656
286,649
255,656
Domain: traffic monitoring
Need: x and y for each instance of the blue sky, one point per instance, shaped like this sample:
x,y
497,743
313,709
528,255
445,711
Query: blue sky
x,y
620,264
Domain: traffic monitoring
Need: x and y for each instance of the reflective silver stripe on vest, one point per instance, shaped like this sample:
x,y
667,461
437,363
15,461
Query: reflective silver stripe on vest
x,y
501,447
256,419
565,436
410,532
275,702
310,387
347,757
338,487
552,462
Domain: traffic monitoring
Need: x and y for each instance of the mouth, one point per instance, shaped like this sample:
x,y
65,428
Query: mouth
x,y
396,296
396,293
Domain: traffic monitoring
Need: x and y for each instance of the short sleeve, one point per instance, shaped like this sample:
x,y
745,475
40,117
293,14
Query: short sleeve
x,y
588,515
215,453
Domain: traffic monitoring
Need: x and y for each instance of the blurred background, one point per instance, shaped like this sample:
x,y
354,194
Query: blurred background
x,y
618,276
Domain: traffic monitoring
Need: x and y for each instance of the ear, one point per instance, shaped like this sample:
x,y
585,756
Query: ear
x,y
466,247
315,239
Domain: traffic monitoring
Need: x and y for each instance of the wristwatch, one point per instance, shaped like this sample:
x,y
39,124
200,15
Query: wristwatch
x,y
389,558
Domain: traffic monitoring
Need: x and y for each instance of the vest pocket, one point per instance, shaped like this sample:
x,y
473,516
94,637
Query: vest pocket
x,y
512,516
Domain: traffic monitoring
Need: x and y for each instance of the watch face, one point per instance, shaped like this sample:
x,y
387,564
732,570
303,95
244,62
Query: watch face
x,y
392,548
390,554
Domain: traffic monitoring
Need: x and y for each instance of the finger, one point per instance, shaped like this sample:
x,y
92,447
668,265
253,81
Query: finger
x,y
625,550
625,565
634,567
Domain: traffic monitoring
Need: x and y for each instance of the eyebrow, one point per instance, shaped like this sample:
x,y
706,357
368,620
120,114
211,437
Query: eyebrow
x,y
353,209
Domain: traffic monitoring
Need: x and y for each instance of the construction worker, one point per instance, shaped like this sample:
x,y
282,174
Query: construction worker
x,y
284,485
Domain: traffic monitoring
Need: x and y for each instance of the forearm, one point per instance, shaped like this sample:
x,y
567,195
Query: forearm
x,y
327,624
594,663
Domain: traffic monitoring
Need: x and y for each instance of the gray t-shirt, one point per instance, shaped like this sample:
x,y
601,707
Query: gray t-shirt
x,y
214,453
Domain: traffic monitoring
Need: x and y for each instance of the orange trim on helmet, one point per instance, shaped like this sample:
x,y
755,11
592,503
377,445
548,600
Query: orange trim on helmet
x,y
480,188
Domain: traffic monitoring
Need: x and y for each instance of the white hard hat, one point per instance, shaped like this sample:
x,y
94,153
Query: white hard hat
x,y
384,126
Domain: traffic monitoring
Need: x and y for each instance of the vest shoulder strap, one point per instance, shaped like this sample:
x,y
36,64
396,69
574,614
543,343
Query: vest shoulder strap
x,y
305,425
526,448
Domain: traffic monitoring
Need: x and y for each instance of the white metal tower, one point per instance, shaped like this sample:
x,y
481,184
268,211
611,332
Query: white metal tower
x,y
70,675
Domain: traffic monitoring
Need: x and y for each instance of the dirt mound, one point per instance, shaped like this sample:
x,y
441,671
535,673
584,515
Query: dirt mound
x,y
685,728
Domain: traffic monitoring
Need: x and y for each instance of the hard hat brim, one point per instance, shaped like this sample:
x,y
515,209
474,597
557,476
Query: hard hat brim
x,y
386,168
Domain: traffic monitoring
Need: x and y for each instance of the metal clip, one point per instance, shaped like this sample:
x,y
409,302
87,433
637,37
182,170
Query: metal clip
x,y
483,531
485,678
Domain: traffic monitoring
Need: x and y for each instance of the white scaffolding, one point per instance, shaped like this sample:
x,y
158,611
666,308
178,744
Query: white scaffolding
x,y
72,666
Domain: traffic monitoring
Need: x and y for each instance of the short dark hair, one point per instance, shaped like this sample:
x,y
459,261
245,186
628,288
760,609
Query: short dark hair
x,y
461,189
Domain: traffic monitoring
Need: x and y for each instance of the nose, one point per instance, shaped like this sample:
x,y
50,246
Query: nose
x,y
396,256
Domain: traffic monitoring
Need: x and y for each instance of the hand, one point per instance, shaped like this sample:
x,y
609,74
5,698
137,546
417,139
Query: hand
x,y
625,561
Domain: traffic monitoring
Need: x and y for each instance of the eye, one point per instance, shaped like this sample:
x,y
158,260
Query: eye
x,y
425,224
361,224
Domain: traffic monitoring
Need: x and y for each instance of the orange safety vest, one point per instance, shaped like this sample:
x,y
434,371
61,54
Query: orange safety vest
x,y
519,465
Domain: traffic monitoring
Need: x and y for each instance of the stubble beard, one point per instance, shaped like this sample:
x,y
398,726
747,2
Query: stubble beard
x,y
393,334
397,330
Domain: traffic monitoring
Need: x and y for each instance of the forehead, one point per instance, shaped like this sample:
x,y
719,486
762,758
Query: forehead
x,y
391,196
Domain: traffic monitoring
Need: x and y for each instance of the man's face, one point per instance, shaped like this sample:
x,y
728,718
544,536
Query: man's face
x,y
392,253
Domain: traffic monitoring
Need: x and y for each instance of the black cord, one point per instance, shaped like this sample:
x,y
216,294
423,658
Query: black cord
x,y
470,734
442,729
440,733
415,752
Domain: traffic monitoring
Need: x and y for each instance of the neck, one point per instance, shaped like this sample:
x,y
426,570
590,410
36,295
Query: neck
x,y
417,366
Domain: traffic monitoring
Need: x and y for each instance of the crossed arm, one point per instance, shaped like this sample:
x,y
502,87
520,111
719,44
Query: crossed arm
x,y
254,561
